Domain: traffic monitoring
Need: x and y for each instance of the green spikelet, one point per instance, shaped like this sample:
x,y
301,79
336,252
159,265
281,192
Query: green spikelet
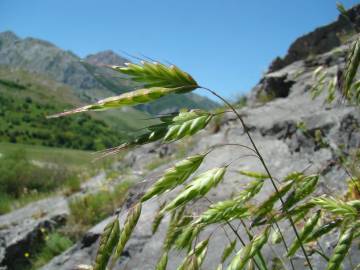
x,y
341,249
335,206
199,253
331,90
158,75
306,231
276,237
266,207
227,251
174,176
352,65
233,208
294,176
159,80
130,223
301,211
158,218
187,235
176,226
136,97
340,7
223,211
322,230
187,123
319,77
108,242
191,263
304,188
198,187
249,251
256,175
251,265
161,265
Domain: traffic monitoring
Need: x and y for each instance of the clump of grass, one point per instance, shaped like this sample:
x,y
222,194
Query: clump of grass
x,y
55,244
265,97
157,162
22,180
88,210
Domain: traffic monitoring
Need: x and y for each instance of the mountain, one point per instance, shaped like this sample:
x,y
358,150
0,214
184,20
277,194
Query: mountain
x,y
106,57
88,77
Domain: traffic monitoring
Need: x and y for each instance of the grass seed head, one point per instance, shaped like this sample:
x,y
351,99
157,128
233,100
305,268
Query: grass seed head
x,y
341,249
174,176
108,242
162,263
306,231
130,223
198,187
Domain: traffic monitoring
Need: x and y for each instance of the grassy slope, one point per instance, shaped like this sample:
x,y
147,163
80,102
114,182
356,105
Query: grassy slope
x,y
71,157
26,99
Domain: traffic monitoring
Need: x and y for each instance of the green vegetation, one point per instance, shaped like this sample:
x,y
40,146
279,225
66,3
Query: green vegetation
x,y
88,210
70,157
55,244
22,181
26,100
264,97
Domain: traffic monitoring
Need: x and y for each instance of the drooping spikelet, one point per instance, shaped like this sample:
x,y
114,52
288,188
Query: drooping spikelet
x,y
351,67
306,231
174,176
249,251
255,175
158,218
198,253
322,230
133,98
198,187
187,123
304,188
108,242
157,79
341,249
336,206
232,208
265,207
228,250
154,74
129,225
162,263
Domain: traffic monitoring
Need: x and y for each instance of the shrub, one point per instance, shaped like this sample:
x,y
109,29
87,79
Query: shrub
x,y
55,244
23,180
90,209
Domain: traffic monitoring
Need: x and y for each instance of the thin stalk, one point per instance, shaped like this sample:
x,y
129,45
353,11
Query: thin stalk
x,y
278,256
246,130
284,242
241,240
322,254
250,235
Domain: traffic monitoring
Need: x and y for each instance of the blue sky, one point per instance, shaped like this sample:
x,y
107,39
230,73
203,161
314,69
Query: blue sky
x,y
225,44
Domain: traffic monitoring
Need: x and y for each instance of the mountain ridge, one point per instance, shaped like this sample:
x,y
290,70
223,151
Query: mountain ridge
x,y
89,78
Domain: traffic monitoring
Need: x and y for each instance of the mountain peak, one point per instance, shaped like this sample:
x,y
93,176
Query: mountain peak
x,y
107,57
8,37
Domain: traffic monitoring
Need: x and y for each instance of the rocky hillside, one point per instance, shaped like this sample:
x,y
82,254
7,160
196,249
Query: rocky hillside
x,y
286,129
88,77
